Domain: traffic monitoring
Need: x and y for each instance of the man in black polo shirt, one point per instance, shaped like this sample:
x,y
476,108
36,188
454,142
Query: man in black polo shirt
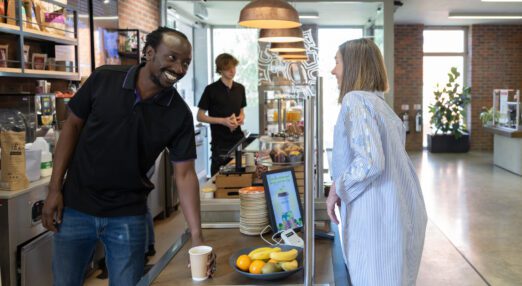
x,y
224,100
120,121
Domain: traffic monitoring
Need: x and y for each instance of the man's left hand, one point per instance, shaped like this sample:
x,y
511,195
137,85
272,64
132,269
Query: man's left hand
x,y
240,119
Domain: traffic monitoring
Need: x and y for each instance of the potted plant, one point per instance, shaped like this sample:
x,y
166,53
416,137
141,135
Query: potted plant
x,y
488,117
448,114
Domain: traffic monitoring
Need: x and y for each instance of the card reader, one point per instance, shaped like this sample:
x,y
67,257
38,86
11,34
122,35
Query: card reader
x,y
291,238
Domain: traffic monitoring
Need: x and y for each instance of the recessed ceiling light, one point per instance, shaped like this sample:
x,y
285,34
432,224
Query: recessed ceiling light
x,y
313,15
484,16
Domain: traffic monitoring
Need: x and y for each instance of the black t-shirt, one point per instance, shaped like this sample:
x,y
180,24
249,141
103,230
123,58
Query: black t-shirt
x,y
221,101
120,141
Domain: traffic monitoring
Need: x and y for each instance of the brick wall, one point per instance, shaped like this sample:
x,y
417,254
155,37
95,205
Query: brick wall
x,y
496,62
408,76
139,14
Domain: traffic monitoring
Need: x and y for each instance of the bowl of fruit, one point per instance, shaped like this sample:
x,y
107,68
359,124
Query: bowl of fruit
x,y
267,263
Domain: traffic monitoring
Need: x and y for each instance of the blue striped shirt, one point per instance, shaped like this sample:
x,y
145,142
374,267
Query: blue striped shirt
x,y
383,217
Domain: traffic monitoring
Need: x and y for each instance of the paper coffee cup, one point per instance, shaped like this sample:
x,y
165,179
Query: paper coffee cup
x,y
199,256
249,159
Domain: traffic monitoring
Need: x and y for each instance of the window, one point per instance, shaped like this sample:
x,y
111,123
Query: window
x,y
329,41
242,44
443,49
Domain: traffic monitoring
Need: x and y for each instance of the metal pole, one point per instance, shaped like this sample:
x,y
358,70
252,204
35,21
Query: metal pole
x,y
320,150
309,191
279,115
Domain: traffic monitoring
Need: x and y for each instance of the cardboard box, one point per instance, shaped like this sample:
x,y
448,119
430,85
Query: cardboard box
x,y
227,193
226,181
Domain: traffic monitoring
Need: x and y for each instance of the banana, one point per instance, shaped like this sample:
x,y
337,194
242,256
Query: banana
x,y
259,250
263,254
284,256
289,266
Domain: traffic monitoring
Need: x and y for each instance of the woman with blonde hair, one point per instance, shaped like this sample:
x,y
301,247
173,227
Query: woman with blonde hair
x,y
383,217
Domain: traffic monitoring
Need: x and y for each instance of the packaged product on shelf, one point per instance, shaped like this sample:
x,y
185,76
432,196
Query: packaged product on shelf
x,y
26,55
50,18
12,142
11,12
24,17
30,15
39,61
55,21
51,64
3,55
2,11
39,11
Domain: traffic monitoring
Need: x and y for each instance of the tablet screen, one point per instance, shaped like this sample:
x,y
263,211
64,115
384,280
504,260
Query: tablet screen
x,y
281,190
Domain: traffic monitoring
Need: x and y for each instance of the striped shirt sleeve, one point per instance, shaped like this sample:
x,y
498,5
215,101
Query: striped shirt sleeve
x,y
364,141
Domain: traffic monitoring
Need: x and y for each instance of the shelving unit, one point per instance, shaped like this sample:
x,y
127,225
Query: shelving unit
x,y
130,54
24,34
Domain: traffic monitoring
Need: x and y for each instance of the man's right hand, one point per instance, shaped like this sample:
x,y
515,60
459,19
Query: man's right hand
x,y
52,210
230,122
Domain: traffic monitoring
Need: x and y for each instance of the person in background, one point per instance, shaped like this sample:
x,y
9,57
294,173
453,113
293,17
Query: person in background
x,y
382,213
225,101
121,119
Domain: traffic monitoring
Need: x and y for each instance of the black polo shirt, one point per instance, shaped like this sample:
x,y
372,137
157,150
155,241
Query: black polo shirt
x,y
120,141
221,101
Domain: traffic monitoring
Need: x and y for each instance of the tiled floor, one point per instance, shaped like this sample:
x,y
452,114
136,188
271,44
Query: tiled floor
x,y
474,235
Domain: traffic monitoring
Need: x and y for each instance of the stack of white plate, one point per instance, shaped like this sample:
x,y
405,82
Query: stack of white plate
x,y
253,213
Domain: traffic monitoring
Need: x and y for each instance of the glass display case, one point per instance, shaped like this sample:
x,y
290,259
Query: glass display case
x,y
282,110
281,151
506,107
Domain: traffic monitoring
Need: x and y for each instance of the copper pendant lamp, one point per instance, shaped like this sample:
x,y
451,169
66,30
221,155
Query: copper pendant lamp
x,y
287,47
281,35
293,56
294,60
269,14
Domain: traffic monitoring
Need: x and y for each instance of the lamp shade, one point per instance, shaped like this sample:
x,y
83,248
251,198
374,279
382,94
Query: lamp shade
x,y
287,47
281,35
269,14
295,60
294,56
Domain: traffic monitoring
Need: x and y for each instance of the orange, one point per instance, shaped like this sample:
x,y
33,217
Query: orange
x,y
243,262
256,266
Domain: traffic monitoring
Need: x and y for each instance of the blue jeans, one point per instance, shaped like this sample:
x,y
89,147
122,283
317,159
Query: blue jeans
x,y
150,230
123,239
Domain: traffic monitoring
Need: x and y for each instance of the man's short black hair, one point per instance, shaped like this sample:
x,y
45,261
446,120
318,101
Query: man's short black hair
x,y
154,38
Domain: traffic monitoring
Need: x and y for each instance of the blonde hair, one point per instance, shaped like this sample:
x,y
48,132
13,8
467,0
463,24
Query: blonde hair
x,y
363,67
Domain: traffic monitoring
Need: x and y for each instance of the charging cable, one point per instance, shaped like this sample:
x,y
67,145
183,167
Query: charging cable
x,y
275,242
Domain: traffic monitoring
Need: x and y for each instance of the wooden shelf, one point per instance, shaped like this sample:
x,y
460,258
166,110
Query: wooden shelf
x,y
11,29
35,34
29,73
57,74
10,70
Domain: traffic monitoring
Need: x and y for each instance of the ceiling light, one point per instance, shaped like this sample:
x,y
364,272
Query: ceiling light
x,y
309,15
269,14
484,16
501,0
281,35
294,60
106,1
287,47
294,56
